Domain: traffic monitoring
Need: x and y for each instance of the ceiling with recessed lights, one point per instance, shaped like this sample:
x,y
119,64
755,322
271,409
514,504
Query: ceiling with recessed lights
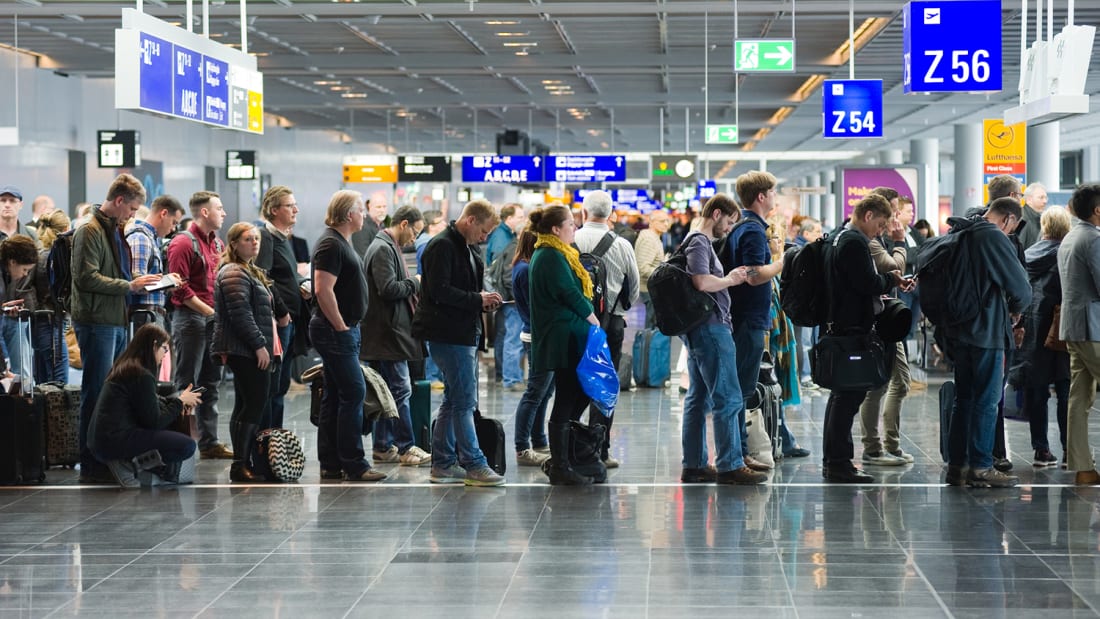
x,y
577,75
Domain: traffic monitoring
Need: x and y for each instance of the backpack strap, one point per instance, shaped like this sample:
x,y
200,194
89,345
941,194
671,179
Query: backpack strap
x,y
195,246
605,244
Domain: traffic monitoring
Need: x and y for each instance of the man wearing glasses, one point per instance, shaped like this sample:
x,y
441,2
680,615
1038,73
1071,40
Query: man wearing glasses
x,y
979,349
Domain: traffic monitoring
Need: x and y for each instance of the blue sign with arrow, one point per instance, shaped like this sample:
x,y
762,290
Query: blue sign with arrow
x,y
502,169
586,168
852,109
952,46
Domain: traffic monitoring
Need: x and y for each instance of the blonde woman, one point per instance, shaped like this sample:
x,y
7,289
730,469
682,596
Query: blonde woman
x,y
51,354
245,338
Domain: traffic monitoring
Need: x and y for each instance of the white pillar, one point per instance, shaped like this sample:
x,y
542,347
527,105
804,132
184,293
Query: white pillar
x,y
828,213
1090,165
815,199
927,151
968,168
893,156
1044,158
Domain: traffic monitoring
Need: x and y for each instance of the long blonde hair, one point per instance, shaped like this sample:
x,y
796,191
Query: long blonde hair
x,y
230,255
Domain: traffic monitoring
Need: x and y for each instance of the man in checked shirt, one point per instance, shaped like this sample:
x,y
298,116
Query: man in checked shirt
x,y
146,258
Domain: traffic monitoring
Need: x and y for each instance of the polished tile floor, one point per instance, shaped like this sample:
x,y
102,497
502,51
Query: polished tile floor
x,y
640,546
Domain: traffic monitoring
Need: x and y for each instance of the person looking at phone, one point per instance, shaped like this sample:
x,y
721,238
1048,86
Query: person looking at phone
x,y
130,420
144,239
18,257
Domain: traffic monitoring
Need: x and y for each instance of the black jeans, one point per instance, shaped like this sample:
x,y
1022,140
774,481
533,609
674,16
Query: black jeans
x,y
173,446
843,406
1038,418
569,399
251,387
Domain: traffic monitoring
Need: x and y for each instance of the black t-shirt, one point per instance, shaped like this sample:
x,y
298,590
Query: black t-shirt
x,y
334,255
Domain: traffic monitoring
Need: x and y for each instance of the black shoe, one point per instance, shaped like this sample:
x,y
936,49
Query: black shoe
x,y
239,471
956,475
1043,457
699,476
797,452
847,475
1002,464
332,474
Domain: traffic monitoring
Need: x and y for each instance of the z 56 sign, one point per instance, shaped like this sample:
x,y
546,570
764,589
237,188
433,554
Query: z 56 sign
x,y
952,46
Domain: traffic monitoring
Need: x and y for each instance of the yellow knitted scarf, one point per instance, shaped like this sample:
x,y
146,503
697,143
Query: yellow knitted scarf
x,y
572,256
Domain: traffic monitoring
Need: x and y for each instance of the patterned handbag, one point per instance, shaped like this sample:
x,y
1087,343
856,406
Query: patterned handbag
x,y
277,455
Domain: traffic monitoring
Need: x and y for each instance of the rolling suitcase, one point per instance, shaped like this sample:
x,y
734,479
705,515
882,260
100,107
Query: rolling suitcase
x,y
947,408
22,416
420,409
651,352
62,431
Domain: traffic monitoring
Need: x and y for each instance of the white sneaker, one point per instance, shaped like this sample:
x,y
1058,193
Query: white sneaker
x,y
415,456
897,453
390,455
530,457
883,458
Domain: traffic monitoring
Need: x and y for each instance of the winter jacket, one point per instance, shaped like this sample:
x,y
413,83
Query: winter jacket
x,y
243,314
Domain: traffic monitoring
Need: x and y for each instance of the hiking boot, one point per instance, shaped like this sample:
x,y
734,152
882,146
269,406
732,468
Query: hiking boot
x,y
990,478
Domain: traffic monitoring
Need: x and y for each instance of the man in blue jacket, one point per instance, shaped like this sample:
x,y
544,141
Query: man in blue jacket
x,y
978,348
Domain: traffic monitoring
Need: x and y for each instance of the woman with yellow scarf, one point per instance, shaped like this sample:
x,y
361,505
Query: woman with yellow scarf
x,y
561,311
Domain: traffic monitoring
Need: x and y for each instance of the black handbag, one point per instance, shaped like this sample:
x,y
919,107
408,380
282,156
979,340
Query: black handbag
x,y
850,362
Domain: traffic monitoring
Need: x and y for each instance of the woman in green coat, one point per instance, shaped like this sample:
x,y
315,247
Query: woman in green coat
x,y
561,312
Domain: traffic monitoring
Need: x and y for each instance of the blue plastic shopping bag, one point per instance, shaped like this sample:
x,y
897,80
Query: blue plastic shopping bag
x,y
597,374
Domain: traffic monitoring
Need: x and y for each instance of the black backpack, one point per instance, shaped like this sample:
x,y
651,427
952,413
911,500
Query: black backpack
x,y
802,293
59,263
678,305
593,262
949,296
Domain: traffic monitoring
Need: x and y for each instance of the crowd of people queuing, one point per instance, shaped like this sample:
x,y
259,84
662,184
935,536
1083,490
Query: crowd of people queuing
x,y
154,301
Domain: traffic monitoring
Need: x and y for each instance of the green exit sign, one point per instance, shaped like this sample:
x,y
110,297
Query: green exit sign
x,y
721,134
751,55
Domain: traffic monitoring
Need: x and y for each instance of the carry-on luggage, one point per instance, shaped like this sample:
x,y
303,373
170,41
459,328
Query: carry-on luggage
x,y
492,440
651,358
947,408
22,417
62,432
420,409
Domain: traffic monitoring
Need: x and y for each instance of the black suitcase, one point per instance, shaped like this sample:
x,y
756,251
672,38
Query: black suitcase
x,y
947,408
420,409
491,439
22,429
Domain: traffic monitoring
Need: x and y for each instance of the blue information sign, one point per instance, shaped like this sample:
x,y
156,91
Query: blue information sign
x,y
156,74
707,189
952,46
187,87
502,169
215,91
586,168
853,108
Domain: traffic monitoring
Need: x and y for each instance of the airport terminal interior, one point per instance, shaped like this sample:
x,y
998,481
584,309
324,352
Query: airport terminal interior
x,y
347,87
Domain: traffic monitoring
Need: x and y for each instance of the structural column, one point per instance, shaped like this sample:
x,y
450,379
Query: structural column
x,y
926,151
891,156
815,199
1044,158
1090,165
828,213
968,167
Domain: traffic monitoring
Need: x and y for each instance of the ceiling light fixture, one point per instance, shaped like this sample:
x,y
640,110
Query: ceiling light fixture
x,y
501,22
749,146
862,36
761,134
808,87
513,34
780,115
521,44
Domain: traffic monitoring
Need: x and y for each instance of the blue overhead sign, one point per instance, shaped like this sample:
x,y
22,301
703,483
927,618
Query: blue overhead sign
x,y
707,189
215,91
502,169
952,46
853,109
586,168
156,74
187,86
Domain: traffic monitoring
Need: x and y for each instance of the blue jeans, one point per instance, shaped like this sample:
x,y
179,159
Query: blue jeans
x,y
454,438
712,363
513,346
750,350
979,380
51,353
431,370
340,433
192,336
280,381
531,412
397,431
100,345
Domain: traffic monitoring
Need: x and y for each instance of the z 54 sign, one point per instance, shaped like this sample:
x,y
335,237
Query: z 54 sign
x,y
952,46
853,109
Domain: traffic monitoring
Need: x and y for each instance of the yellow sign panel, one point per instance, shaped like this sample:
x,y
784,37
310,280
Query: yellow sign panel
x,y
370,173
255,112
1004,151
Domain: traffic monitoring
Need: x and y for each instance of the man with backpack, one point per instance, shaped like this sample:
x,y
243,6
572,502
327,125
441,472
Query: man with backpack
x,y
101,283
147,258
499,251
614,257
750,306
193,254
985,292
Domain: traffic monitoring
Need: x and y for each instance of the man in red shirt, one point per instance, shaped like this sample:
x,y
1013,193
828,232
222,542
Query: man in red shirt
x,y
193,255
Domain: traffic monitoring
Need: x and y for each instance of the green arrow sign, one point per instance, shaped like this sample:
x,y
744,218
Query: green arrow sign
x,y
721,134
751,55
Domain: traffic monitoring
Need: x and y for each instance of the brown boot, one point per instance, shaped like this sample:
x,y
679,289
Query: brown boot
x,y
1087,478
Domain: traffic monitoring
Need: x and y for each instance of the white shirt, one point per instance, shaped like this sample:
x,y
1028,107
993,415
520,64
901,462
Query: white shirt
x,y
620,263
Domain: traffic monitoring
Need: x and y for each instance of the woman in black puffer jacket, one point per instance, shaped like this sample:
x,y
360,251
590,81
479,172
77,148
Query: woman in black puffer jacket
x,y
244,337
